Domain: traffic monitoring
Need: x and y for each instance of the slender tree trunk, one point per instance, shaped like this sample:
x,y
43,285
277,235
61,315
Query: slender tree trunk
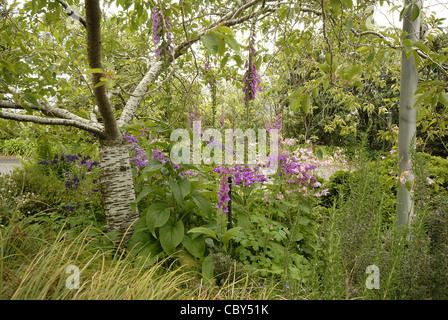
x,y
408,118
117,187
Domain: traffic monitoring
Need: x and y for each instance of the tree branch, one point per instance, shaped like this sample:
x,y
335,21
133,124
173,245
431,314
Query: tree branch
x,y
94,46
72,14
96,129
233,17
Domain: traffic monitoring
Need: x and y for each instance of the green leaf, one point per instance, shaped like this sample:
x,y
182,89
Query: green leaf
x,y
94,70
415,12
175,189
99,84
184,187
229,234
207,267
230,40
152,166
295,99
205,231
225,30
195,246
203,204
352,71
371,57
31,98
157,215
171,235
348,25
8,65
210,42
443,98
306,103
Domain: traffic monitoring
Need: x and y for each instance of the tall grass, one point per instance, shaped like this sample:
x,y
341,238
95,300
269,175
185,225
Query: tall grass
x,y
34,262
359,230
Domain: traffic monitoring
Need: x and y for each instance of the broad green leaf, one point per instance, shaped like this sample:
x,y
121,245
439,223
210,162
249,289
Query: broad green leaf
x,y
152,166
175,189
230,40
205,231
204,205
157,215
229,234
150,250
184,187
348,25
210,42
443,98
207,267
352,71
415,12
306,103
225,30
421,46
371,57
195,246
31,98
139,238
171,235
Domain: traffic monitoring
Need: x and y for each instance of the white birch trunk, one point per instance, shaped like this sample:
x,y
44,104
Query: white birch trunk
x,y
117,188
408,119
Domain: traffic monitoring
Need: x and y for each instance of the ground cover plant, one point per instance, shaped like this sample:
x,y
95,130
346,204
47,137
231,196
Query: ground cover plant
x,y
222,150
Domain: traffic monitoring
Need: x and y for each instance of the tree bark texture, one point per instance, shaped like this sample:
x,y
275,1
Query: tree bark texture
x,y
117,188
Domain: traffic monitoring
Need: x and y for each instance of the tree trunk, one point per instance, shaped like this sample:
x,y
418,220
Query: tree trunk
x,y
117,187
408,118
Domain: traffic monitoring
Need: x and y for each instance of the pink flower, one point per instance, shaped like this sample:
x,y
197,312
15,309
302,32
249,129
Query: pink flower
x,y
429,180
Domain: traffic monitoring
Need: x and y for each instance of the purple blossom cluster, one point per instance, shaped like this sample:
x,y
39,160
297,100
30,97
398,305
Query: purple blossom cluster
x,y
290,170
159,155
277,124
193,116
242,174
251,79
138,156
223,195
164,47
295,172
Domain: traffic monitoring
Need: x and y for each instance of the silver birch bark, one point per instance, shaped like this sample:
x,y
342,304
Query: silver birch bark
x,y
408,118
117,188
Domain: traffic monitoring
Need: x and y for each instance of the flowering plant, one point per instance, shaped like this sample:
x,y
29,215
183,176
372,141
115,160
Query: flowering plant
x,y
161,33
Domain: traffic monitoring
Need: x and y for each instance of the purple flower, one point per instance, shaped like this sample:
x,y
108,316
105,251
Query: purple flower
x,y
164,46
138,158
223,195
251,79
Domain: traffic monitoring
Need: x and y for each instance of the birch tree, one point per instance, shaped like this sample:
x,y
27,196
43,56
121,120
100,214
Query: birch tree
x,y
117,190
408,112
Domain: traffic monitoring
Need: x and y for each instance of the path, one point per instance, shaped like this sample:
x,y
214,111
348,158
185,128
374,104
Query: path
x,y
7,164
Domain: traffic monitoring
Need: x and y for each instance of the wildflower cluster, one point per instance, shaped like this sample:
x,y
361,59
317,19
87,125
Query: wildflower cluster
x,y
223,195
159,23
72,182
138,156
212,84
277,124
159,155
245,175
251,79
